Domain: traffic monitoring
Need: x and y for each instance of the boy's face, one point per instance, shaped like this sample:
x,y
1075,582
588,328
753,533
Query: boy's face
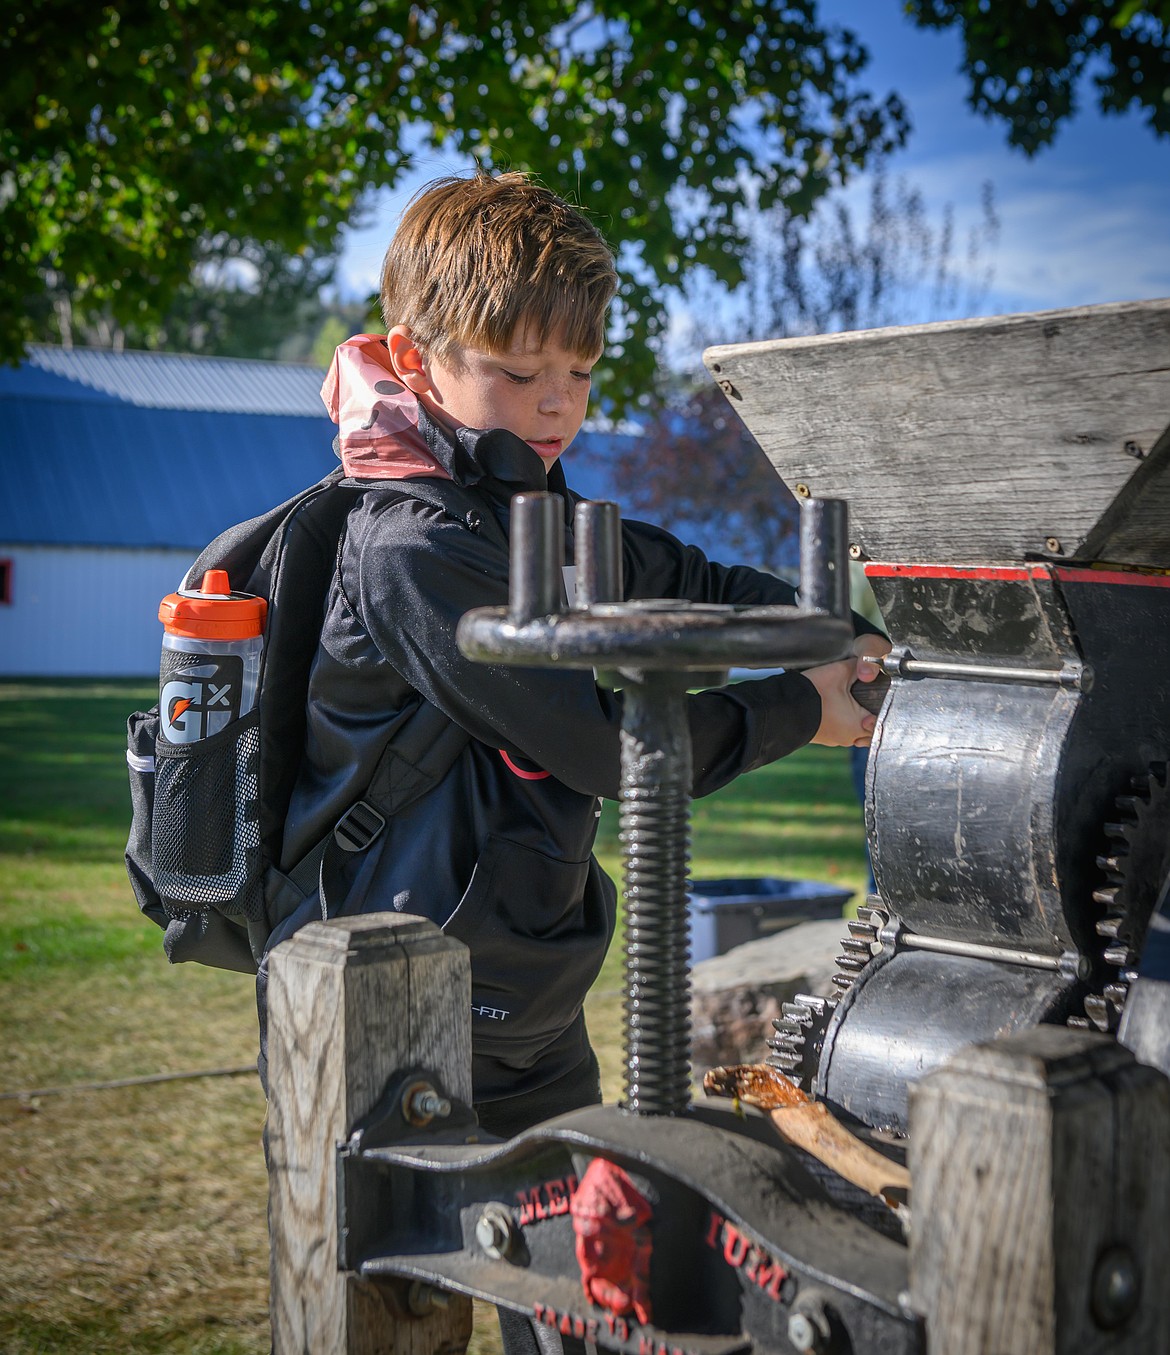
x,y
537,391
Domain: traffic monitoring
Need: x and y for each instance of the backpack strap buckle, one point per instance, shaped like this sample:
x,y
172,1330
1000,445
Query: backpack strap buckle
x,y
358,827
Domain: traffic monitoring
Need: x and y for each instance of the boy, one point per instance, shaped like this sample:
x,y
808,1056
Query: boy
x,y
495,293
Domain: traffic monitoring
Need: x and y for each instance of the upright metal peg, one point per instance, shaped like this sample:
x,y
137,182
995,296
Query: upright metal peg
x,y
536,558
597,533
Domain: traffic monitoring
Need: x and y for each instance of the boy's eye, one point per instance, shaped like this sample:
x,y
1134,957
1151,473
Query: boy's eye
x,y
583,376
517,378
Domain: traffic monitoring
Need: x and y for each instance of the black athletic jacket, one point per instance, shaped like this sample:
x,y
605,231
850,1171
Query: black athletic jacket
x,y
500,852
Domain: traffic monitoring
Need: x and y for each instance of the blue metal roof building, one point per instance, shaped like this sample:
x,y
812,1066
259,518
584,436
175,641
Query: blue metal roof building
x,y
145,450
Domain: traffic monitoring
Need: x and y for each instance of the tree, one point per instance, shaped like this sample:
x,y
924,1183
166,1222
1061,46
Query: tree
x,y
139,138
1027,62
249,301
697,469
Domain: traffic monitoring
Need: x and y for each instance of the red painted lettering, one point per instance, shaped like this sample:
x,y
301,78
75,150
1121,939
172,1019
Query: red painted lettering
x,y
566,1327
735,1246
591,1330
538,1312
717,1222
645,1344
530,1205
579,1328
769,1277
558,1199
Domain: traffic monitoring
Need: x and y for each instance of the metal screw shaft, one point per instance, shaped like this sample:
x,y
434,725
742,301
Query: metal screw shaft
x,y
654,833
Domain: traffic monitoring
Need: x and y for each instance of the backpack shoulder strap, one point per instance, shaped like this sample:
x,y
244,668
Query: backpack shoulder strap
x,y
241,548
426,746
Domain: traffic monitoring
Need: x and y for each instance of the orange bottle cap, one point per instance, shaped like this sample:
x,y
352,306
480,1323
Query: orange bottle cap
x,y
213,612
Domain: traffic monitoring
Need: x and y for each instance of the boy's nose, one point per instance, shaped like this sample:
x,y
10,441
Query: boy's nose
x,y
554,397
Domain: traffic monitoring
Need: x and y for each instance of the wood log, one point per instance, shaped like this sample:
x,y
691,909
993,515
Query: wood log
x,y
352,1002
1041,1170
810,1125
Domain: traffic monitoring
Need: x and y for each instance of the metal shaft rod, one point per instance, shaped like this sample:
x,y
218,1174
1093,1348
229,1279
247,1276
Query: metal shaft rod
x,y
900,663
973,950
655,838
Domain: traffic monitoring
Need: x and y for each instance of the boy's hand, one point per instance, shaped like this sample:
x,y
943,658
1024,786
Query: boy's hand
x,y
845,724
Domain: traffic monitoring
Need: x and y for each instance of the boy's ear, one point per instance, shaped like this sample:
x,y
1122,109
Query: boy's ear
x,y
407,360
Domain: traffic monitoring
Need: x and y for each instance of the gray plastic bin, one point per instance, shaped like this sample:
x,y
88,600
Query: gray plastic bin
x,y
726,913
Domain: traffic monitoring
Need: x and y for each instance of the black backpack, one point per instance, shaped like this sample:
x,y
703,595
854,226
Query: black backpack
x,y
208,817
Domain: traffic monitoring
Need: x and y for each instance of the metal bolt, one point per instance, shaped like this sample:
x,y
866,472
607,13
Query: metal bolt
x,y
495,1231
855,552
1135,449
421,1104
729,390
1116,1288
808,1332
803,492
1052,545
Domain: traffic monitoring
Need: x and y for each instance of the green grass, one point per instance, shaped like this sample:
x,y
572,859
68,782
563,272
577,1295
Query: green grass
x,y
133,1220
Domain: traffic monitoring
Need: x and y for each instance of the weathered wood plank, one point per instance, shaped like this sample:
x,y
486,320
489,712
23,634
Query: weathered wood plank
x,y
976,440
350,1003
1040,1170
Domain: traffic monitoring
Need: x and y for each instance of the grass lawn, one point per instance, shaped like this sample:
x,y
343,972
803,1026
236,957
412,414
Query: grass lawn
x,y
132,1219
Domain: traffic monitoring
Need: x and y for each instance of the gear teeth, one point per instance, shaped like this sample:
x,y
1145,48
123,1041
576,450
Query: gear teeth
x,y
1101,1013
852,964
856,945
842,981
1079,1023
873,913
1134,862
800,1030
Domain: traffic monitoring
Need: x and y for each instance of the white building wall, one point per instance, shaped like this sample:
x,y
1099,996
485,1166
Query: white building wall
x,y
85,612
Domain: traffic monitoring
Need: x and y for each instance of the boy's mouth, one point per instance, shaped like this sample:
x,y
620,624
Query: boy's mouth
x,y
546,446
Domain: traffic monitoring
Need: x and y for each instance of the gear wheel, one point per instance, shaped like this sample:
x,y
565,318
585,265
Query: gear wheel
x,y
800,1030
1134,865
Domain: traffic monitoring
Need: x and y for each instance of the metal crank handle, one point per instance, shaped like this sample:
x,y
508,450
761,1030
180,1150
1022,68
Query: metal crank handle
x,y
871,695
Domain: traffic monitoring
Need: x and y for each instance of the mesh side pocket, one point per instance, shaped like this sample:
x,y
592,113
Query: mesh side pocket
x,y
206,834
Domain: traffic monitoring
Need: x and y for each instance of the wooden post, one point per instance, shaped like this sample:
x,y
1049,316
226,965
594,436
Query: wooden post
x,y
1040,1169
350,1003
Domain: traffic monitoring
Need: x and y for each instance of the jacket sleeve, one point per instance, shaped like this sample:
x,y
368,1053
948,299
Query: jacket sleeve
x,y
410,595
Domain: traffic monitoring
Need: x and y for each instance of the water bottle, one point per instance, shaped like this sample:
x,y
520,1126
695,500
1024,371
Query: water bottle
x,y
210,658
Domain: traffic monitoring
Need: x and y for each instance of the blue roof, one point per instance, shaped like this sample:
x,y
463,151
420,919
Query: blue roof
x,y
112,475
152,449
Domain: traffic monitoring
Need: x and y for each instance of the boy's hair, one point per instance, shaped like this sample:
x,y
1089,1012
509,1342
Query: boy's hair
x,y
474,259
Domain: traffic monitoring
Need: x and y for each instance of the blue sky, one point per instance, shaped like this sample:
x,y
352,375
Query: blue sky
x,y
1084,222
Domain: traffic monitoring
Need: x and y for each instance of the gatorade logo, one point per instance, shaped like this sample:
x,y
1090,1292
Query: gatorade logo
x,y
198,701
